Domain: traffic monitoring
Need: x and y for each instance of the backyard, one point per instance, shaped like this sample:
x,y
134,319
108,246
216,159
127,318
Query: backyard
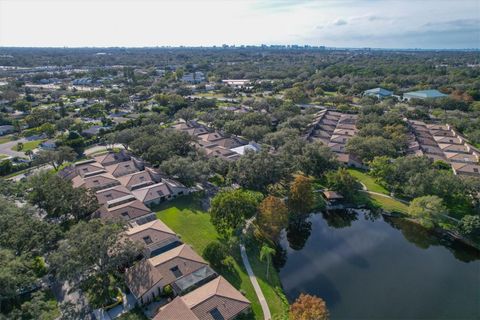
x,y
30,145
186,217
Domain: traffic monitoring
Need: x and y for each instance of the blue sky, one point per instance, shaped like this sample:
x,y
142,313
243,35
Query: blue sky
x,y
341,23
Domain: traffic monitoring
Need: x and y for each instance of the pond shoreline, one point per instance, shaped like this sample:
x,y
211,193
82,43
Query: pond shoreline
x,y
440,231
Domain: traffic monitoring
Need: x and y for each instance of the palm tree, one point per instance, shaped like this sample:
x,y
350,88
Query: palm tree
x,y
267,253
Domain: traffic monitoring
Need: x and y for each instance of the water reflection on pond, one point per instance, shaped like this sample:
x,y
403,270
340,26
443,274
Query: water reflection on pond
x,y
368,266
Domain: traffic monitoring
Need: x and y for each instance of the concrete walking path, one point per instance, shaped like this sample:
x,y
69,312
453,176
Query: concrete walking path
x,y
365,189
256,286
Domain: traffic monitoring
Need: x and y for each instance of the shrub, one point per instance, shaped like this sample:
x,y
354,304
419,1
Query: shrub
x,y
215,253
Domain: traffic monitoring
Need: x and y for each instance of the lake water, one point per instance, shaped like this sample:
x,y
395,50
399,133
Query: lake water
x,y
380,268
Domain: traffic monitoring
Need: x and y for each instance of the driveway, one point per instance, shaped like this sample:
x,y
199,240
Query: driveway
x,y
6,148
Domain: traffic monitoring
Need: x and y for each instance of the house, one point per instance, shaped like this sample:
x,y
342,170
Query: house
x,y
96,182
236,83
191,127
106,195
48,145
112,158
175,187
332,196
94,131
153,194
88,168
126,208
423,94
136,180
379,93
466,169
350,160
6,129
193,280
194,77
252,146
219,152
121,169
148,277
217,299
154,236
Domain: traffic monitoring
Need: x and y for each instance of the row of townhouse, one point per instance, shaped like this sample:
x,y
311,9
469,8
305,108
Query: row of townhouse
x,y
215,144
124,187
442,142
436,141
334,129
200,293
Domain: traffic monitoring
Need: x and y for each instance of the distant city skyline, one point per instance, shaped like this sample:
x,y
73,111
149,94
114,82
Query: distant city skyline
x,y
425,24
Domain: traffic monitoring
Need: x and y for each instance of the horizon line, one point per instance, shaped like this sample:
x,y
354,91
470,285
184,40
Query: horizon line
x,y
243,46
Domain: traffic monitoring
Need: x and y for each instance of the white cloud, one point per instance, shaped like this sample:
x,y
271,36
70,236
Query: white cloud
x,y
339,22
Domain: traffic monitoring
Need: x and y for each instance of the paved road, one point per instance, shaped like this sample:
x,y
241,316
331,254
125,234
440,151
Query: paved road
x,y
256,286
20,176
6,148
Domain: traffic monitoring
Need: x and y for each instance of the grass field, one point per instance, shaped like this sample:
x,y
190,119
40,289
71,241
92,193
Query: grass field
x,y
4,139
30,145
3,156
185,216
389,204
368,181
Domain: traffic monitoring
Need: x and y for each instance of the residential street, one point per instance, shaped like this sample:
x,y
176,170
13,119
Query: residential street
x,y
5,148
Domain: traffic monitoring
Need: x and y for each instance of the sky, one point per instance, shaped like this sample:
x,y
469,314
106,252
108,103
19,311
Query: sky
x,y
428,24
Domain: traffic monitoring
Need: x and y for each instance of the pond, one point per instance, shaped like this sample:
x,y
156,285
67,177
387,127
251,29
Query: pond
x,y
368,267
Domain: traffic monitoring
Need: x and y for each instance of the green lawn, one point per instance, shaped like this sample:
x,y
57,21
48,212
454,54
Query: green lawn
x,y
3,156
271,287
331,93
185,216
134,314
388,204
4,139
368,181
30,145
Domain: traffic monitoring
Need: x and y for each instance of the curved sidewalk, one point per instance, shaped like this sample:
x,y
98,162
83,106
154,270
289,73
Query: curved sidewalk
x,y
256,286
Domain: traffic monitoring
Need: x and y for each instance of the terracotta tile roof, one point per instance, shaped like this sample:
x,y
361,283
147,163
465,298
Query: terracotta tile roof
x,y
150,233
112,157
212,136
141,277
461,157
136,178
128,211
152,227
146,274
451,140
122,168
95,182
105,195
88,168
217,294
183,251
152,192
466,168
175,310
218,286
